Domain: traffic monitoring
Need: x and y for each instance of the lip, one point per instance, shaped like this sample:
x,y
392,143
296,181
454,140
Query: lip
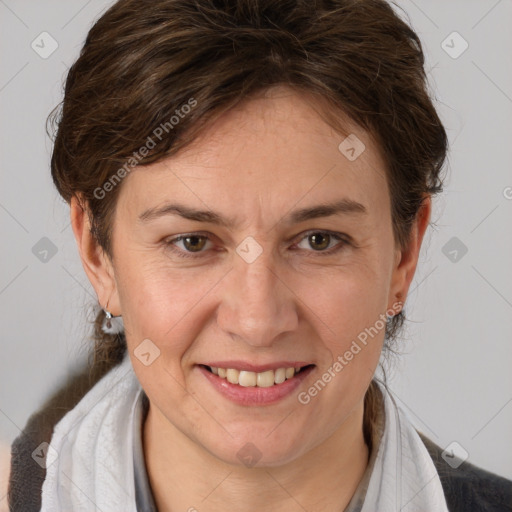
x,y
253,396
257,368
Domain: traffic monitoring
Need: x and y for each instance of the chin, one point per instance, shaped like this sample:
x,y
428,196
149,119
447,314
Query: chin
x,y
256,450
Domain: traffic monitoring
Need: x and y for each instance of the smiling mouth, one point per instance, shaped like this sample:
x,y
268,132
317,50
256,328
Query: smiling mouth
x,y
265,379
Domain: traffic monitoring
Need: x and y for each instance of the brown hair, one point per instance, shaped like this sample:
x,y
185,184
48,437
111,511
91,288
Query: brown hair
x,y
144,60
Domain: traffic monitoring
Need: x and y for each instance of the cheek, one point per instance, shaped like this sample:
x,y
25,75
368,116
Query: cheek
x,y
162,303
349,315
346,301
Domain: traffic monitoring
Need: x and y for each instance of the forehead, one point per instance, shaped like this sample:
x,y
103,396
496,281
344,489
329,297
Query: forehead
x,y
268,154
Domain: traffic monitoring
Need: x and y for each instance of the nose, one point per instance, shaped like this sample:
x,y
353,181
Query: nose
x,y
257,306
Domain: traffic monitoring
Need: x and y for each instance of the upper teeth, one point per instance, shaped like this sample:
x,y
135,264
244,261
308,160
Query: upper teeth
x,y
250,379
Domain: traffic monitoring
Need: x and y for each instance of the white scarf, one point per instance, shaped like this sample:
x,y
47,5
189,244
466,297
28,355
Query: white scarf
x,y
404,478
93,470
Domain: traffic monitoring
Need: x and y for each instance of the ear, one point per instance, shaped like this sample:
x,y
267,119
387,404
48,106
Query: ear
x,y
407,258
96,263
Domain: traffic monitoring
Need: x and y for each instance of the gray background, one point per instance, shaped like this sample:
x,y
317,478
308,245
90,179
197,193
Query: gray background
x,y
454,377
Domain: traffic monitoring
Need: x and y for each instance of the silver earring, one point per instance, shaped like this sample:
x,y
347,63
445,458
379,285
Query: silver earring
x,y
112,324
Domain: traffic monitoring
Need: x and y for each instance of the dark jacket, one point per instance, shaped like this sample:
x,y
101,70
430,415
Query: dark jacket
x,y
467,488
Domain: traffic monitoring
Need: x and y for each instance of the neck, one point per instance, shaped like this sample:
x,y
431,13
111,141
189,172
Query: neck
x,y
184,476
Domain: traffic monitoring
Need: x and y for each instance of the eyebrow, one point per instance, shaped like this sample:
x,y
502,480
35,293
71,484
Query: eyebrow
x,y
342,206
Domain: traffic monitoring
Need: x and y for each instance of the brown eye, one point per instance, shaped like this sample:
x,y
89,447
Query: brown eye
x,y
194,243
319,241
322,242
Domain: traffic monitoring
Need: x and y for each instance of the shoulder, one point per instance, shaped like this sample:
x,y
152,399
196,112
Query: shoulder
x,y
27,470
468,487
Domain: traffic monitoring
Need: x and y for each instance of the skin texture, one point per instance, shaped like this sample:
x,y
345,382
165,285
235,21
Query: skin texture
x,y
256,164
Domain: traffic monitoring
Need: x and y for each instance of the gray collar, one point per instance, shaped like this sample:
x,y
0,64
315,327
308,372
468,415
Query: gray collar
x,y
143,494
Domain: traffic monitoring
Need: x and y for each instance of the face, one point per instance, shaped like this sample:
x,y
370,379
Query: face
x,y
265,279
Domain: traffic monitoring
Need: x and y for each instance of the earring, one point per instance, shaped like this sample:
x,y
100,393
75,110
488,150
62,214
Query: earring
x,y
112,324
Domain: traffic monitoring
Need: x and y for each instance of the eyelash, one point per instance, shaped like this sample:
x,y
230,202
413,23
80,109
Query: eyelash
x,y
170,243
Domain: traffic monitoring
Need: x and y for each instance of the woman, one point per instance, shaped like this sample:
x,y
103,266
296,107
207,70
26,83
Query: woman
x,y
249,184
